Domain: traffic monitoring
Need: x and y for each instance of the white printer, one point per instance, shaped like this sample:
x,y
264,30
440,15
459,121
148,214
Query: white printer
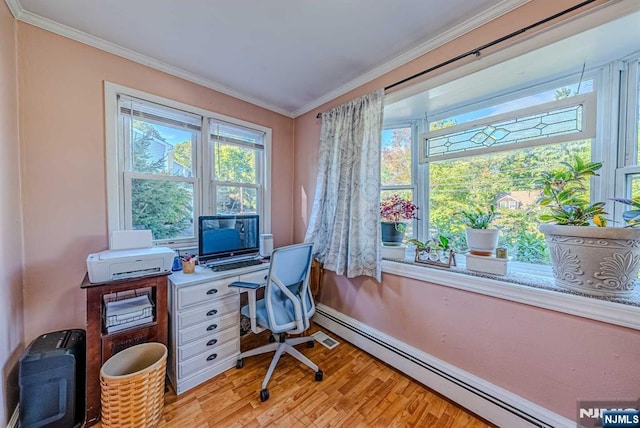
x,y
130,255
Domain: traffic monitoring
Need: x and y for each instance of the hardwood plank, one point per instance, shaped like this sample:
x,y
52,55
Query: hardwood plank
x,y
357,391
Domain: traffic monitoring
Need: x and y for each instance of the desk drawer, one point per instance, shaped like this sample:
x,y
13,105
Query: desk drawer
x,y
208,359
202,293
208,328
208,344
214,309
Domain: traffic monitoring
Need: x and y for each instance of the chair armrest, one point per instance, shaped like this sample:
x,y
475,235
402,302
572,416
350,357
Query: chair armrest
x,y
246,285
251,288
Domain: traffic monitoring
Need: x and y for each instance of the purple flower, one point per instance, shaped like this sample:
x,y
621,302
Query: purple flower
x,y
396,209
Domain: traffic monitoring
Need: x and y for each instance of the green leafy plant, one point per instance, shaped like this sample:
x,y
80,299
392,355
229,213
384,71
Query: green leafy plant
x,y
565,192
479,219
439,242
632,216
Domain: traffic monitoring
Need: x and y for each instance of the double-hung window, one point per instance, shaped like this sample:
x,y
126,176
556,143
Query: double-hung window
x,y
397,174
159,182
237,159
168,163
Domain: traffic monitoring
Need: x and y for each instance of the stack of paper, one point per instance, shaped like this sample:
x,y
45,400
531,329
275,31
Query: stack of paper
x,y
126,313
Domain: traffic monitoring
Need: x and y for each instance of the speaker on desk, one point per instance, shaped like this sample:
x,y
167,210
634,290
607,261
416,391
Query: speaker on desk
x,y
266,245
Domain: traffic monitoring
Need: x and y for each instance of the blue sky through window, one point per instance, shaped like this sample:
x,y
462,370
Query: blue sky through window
x,y
172,135
517,104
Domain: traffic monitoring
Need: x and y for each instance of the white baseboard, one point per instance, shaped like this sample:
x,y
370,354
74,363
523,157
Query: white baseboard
x,y
14,421
483,398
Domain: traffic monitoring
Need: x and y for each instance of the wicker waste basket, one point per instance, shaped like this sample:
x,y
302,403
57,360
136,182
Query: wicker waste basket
x,y
132,386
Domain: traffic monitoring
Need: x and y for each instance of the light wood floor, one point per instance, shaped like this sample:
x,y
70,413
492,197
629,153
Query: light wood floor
x,y
357,391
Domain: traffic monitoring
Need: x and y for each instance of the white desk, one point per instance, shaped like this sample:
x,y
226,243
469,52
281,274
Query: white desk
x,y
204,323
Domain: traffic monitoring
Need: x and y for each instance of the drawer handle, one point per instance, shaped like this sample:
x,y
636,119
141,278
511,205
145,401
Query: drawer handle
x,y
212,327
212,291
212,342
212,357
212,312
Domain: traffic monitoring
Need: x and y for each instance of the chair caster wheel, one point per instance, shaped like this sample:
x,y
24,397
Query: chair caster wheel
x,y
264,395
239,363
311,344
272,338
319,375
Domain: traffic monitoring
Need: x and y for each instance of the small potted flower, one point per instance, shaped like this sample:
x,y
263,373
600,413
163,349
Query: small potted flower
x,y
395,211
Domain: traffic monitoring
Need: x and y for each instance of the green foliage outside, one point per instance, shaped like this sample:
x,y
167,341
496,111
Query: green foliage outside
x,y
236,164
164,207
396,160
464,184
182,154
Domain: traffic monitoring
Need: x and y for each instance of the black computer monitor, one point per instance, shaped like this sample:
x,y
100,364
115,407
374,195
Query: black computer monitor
x,y
228,236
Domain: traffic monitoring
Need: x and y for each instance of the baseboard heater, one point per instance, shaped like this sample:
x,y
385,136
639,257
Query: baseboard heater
x,y
350,330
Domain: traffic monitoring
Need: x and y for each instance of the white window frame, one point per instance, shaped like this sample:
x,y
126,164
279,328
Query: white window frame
x,y
260,174
203,203
628,162
414,187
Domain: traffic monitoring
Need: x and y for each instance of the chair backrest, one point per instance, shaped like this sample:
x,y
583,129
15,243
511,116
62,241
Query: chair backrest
x,y
288,299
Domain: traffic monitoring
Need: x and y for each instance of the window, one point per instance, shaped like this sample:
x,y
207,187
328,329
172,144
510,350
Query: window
x,y
628,175
492,149
488,161
169,163
158,178
237,154
397,166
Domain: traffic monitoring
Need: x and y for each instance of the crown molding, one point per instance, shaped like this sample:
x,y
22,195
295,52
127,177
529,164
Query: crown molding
x,y
490,14
98,43
431,44
15,7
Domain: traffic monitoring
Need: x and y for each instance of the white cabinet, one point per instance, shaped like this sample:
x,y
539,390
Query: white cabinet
x,y
204,319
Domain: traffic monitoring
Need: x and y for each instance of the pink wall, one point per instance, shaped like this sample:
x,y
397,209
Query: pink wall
x,y
549,358
63,144
11,325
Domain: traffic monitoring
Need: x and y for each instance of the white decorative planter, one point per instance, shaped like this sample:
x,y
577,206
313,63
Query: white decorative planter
x,y
600,261
482,242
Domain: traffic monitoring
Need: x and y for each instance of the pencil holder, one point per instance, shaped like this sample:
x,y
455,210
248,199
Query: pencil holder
x,y
189,267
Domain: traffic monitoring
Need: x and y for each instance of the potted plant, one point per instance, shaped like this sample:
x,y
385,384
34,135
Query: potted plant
x,y
600,260
481,240
434,251
395,211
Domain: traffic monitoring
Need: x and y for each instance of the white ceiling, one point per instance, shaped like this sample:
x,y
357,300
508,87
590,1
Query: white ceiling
x,y
287,55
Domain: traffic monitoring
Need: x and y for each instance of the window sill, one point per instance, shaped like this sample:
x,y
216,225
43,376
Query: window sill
x,y
531,289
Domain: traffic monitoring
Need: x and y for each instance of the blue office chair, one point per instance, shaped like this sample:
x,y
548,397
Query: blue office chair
x,y
286,308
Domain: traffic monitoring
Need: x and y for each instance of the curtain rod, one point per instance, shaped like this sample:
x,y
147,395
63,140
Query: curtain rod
x,y
477,50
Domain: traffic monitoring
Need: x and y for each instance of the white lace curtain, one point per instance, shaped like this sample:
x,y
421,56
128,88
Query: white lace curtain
x,y
345,222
